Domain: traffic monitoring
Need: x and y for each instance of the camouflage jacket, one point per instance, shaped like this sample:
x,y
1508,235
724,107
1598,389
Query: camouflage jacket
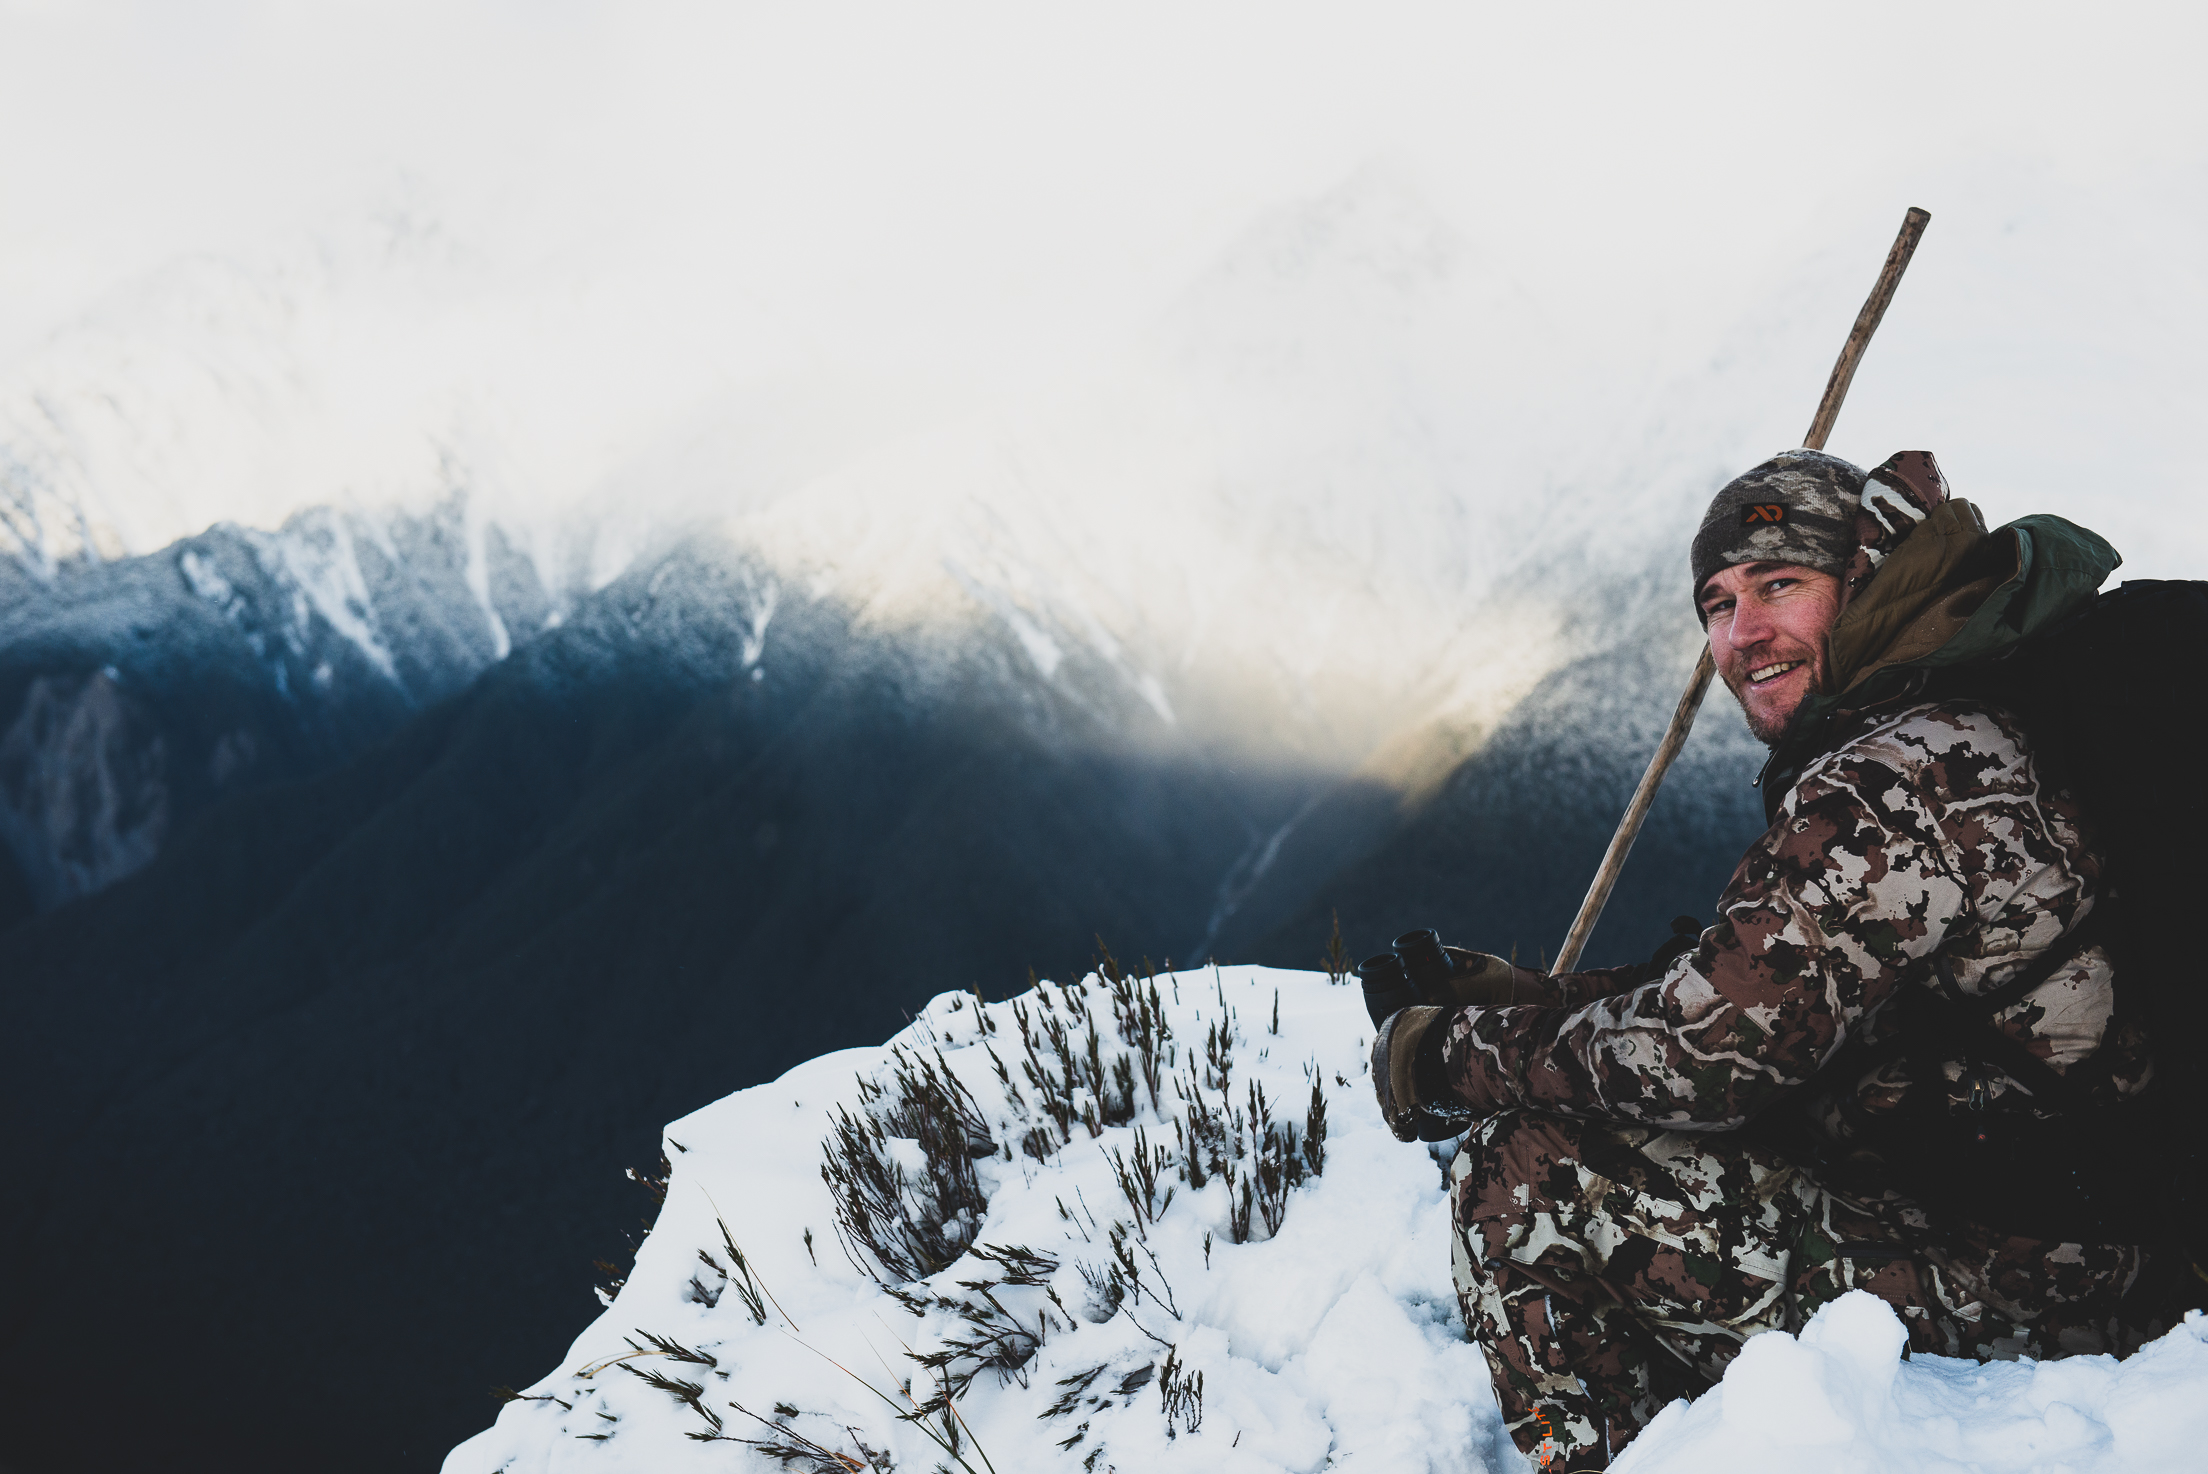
x,y
1925,830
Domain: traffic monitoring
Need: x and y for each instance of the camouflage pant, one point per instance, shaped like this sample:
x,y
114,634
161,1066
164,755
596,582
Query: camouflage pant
x,y
1607,1269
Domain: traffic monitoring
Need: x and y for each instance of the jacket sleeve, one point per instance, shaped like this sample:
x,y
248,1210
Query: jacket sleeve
x,y
1570,989
1574,988
1881,853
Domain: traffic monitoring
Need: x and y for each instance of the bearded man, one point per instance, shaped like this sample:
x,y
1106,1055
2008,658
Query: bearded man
x,y
1872,1071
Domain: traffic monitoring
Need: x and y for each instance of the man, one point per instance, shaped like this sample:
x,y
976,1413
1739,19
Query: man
x,y
1669,1159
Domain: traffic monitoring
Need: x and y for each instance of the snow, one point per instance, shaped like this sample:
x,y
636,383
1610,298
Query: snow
x,y
1335,1338
1838,1399
1333,1343
316,557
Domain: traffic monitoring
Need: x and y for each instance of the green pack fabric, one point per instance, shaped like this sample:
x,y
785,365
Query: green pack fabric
x,y
1922,597
1991,591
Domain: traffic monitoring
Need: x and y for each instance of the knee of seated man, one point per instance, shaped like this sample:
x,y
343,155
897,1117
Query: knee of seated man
x,y
1518,1163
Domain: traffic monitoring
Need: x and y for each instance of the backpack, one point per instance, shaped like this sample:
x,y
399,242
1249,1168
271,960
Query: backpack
x,y
2115,699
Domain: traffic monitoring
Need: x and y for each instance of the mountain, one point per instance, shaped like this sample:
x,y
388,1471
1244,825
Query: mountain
x,y
142,690
1493,836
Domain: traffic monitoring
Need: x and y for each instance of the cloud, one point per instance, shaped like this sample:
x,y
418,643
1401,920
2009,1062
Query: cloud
x,y
619,218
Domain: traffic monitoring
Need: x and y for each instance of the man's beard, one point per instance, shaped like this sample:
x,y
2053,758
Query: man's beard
x,y
1762,729
1763,732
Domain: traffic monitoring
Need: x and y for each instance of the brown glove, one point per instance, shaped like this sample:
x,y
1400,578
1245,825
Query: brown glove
x,y
1407,1076
1487,981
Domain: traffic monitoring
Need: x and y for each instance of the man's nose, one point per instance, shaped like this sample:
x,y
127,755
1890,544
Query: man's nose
x,y
1751,624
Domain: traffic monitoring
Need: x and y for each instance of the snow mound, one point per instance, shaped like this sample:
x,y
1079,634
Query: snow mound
x,y
1144,1223
1839,1399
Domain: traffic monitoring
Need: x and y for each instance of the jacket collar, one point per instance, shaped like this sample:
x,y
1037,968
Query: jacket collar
x,y
1950,598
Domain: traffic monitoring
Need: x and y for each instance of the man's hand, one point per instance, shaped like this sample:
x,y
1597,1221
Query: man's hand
x,y
1419,970
1407,1076
1487,981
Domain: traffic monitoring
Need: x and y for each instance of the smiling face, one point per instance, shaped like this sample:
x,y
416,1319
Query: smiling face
x,y
1768,623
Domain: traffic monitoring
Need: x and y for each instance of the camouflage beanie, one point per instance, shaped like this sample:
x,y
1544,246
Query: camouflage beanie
x,y
1798,507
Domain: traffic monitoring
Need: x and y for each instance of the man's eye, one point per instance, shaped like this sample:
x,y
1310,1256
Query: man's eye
x,y
1713,610
1780,583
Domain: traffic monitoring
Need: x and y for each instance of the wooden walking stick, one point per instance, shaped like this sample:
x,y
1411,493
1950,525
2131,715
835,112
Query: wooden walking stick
x,y
1682,720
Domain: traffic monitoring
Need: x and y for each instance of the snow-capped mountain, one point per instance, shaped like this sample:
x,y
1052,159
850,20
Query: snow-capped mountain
x,y
1153,537
1307,514
141,690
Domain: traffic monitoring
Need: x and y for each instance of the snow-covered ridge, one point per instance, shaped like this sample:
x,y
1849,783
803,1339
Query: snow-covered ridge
x,y
1290,494
1157,1224
1311,474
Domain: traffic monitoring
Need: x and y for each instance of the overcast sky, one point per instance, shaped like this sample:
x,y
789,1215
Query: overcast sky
x,y
897,164
975,190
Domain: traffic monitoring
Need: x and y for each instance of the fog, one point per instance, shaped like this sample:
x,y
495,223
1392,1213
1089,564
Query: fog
x,y
602,235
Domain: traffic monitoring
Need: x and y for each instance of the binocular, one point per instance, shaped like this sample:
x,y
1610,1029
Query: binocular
x,y
1413,970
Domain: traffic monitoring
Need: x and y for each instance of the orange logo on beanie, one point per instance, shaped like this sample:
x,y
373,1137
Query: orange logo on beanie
x,y
1756,512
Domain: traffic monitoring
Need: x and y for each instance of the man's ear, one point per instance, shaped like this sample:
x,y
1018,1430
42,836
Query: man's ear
x,y
1854,576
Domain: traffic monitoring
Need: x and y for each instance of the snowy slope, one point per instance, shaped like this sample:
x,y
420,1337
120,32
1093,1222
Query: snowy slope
x,y
1331,1343
1337,1334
